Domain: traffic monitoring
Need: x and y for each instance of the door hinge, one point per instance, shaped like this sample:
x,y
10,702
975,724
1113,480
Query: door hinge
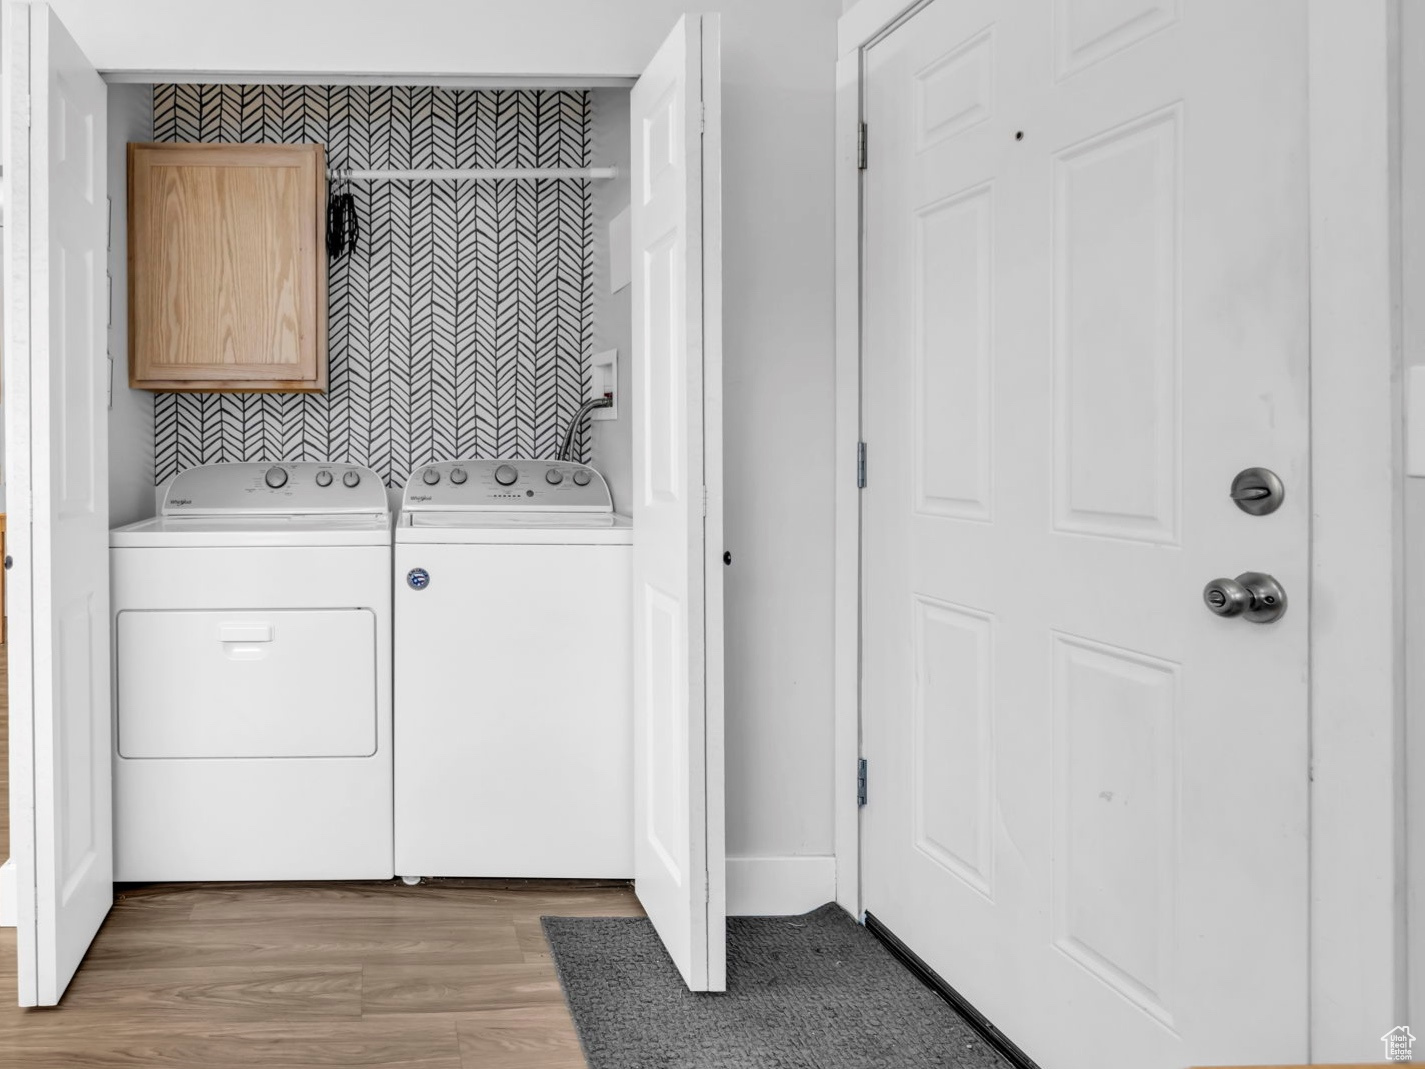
x,y
861,147
860,783
705,501
860,465
702,116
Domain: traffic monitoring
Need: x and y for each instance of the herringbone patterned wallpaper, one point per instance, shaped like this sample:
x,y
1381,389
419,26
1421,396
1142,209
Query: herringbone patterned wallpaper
x,y
461,327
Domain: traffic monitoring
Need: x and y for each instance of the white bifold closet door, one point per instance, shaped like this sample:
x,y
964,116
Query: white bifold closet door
x,y
56,435
679,854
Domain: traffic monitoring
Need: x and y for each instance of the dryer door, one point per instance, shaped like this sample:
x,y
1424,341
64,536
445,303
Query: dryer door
x,y
290,683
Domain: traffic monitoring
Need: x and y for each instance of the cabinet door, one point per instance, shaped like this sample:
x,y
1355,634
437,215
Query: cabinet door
x,y
227,267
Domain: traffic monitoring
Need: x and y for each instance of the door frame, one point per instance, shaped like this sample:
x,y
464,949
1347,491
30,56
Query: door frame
x,y
1356,657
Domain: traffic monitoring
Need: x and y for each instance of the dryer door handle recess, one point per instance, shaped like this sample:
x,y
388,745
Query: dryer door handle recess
x,y
245,642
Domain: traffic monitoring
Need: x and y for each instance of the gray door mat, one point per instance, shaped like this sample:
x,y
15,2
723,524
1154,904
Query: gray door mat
x,y
811,992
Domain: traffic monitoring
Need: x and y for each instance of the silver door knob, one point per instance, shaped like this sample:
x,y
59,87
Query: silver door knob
x,y
1255,596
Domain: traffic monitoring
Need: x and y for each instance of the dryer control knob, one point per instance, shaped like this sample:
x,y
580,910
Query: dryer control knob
x,y
431,477
276,477
581,478
351,479
554,476
324,478
458,476
506,475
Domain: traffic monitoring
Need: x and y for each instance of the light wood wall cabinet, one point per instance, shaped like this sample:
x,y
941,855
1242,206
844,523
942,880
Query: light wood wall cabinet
x,y
227,267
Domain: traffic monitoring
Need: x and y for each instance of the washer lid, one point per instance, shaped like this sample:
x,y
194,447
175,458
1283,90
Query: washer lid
x,y
514,520
513,529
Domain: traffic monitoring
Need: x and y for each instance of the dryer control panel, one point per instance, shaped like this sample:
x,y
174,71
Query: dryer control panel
x,y
299,487
506,486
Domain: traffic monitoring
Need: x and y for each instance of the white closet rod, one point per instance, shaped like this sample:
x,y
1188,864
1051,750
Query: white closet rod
x,y
478,174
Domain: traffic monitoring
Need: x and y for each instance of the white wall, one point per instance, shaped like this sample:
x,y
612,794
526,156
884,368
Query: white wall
x,y
612,451
131,411
778,76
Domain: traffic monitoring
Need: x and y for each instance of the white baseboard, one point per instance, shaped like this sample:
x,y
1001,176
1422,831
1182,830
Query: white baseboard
x,y
756,886
779,886
9,894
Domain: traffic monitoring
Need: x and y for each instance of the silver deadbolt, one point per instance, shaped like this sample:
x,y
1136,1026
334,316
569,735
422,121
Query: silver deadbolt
x,y
1255,596
1258,491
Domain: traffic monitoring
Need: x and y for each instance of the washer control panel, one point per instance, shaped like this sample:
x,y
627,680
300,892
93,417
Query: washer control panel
x,y
299,486
503,485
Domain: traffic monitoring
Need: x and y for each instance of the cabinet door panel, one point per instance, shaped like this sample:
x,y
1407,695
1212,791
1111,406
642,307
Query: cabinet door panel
x,y
227,268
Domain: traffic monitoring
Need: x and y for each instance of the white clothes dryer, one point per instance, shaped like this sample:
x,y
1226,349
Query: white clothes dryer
x,y
252,685
514,725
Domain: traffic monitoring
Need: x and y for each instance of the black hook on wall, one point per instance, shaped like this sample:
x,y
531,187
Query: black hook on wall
x,y
343,224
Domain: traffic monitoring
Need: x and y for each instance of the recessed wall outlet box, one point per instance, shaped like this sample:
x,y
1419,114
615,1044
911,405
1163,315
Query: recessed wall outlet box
x,y
603,380
1415,420
620,252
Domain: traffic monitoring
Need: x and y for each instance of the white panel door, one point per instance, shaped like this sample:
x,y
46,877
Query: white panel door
x,y
679,856
1085,312
56,420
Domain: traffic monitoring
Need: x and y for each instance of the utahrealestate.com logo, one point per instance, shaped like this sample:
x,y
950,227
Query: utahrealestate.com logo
x,y
1398,1042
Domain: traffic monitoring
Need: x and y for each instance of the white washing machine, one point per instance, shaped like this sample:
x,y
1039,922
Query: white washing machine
x,y
514,725
252,683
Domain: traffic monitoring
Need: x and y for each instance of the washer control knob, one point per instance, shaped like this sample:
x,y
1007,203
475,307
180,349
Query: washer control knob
x,y
458,476
581,478
554,476
324,478
431,477
351,479
506,475
276,477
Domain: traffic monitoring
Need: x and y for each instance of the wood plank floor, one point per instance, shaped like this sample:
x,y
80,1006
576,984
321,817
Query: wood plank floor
x,y
447,975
